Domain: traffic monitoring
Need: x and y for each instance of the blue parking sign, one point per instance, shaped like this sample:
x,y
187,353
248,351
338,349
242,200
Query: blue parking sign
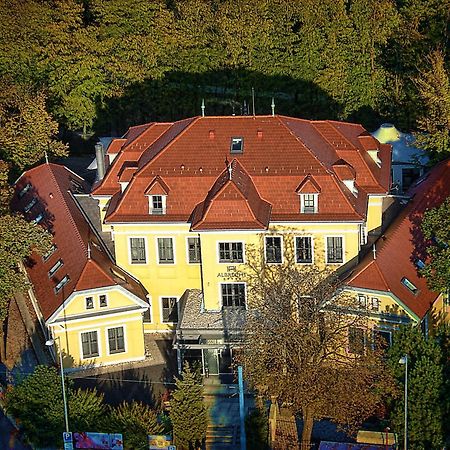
x,y
68,441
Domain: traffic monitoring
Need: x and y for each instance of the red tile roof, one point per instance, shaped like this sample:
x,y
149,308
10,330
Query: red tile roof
x,y
402,243
278,153
52,186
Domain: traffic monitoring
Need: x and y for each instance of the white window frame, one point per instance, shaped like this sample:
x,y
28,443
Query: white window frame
x,y
99,300
173,250
97,330
108,350
374,300
245,295
58,264
265,248
161,315
129,250
316,203
156,211
312,249
326,249
362,301
237,139
230,242
61,283
86,302
187,249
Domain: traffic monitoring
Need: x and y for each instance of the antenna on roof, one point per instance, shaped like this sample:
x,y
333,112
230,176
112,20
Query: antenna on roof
x,y
273,106
89,250
46,157
374,250
203,107
245,109
253,100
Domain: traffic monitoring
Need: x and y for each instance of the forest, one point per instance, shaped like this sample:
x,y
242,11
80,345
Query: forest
x,y
101,66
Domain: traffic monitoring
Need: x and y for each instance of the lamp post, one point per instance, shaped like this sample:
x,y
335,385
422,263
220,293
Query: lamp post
x,y
50,343
404,360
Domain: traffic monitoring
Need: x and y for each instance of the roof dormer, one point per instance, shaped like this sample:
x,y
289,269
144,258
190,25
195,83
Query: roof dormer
x,y
157,192
370,144
347,174
308,191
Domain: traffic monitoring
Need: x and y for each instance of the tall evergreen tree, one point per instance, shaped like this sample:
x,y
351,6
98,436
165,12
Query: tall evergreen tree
x,y
188,412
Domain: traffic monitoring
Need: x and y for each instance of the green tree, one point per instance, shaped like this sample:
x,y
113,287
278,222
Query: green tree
x,y
434,123
27,130
86,409
187,410
135,421
436,228
425,387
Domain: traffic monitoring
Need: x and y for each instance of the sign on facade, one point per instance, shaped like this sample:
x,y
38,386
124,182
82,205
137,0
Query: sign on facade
x,y
160,442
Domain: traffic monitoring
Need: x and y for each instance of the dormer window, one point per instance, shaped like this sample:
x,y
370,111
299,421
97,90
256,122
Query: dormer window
x,y
30,205
237,145
309,203
55,268
157,204
24,190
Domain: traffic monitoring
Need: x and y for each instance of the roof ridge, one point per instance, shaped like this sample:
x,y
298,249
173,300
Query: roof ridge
x,y
98,267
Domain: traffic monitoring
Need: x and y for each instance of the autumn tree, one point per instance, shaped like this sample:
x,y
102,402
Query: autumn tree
x,y
436,229
434,123
187,410
307,346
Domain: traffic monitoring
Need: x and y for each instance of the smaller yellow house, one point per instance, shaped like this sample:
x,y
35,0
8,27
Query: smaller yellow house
x,y
93,309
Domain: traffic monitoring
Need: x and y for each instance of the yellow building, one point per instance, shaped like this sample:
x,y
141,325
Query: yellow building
x,y
185,203
387,281
92,308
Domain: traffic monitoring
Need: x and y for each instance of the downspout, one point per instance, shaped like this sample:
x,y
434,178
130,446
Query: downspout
x,y
201,275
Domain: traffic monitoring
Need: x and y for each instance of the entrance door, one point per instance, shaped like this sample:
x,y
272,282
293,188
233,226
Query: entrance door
x,y
211,360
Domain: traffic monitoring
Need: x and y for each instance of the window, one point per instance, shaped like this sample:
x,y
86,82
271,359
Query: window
x,y
62,283
362,301
30,205
38,218
237,145
55,268
116,340
89,344
419,264
233,294
382,339
157,204
334,250
411,286
169,309
165,251
374,303
89,303
309,203
273,249
356,340
103,301
194,251
303,250
24,190
137,250
231,252
52,250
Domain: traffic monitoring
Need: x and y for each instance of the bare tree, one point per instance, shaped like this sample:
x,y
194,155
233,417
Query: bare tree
x,y
297,346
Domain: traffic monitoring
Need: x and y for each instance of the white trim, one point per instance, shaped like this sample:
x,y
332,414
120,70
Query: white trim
x,y
125,346
173,251
220,293
85,303
187,249
145,247
100,307
150,204
110,322
84,292
99,344
230,242
282,248
312,249
326,249
161,309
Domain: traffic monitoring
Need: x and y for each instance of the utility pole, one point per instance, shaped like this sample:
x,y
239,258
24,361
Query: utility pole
x,y
241,408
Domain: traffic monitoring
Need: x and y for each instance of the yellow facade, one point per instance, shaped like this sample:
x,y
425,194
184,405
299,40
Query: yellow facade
x,y
99,335
164,280
374,213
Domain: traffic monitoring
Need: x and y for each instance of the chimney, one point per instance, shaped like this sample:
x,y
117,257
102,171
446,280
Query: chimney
x,y
100,157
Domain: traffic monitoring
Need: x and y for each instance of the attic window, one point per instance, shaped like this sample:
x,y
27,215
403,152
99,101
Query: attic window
x,y
52,250
157,204
38,218
55,268
237,145
24,190
309,203
62,283
30,205
408,284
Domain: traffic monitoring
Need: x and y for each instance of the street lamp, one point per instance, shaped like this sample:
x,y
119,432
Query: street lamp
x,y
50,343
404,360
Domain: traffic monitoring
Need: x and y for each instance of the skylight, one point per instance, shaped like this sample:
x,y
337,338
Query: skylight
x,y
419,263
408,284
62,283
24,190
237,145
30,205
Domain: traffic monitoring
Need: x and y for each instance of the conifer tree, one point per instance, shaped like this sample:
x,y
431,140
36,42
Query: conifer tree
x,y
188,411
